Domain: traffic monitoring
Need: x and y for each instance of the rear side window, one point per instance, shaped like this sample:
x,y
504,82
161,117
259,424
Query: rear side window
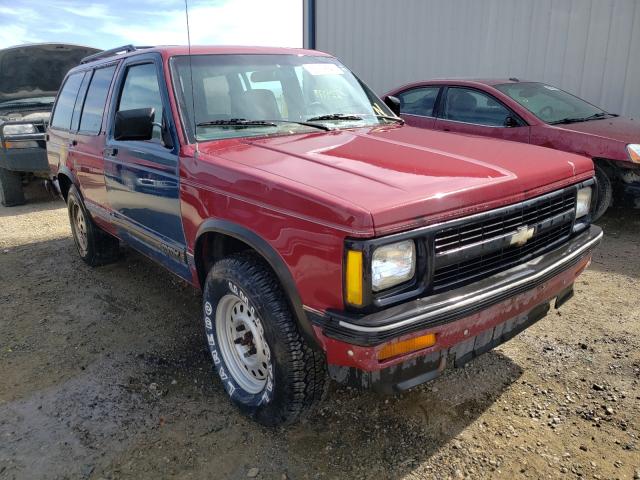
x,y
419,101
91,119
66,101
471,106
141,90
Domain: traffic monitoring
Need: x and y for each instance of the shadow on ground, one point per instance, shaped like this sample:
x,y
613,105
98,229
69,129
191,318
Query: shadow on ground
x,y
106,374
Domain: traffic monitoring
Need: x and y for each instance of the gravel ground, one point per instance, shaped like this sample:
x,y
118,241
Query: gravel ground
x,y
104,373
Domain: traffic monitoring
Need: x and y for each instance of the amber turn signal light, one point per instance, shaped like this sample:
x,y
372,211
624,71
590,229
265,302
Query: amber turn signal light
x,y
396,349
353,278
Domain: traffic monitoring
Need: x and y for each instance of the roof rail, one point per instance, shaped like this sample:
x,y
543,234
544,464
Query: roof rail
x,y
111,52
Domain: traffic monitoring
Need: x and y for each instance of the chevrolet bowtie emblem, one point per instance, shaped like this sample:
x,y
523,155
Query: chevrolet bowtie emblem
x,y
522,236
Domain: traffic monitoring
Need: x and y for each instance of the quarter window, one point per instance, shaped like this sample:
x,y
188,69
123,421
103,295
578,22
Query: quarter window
x,y
419,101
471,106
66,101
141,90
91,119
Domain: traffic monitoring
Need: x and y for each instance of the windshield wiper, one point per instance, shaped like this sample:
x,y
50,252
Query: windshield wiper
x,y
595,116
236,122
335,116
243,122
306,124
389,117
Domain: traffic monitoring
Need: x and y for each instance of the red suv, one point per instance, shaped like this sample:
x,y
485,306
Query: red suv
x,y
329,239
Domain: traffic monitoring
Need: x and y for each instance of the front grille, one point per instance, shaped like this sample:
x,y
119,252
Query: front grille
x,y
551,215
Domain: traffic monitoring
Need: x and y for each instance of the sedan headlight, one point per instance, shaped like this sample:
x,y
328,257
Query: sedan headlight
x,y
392,265
634,152
19,129
583,202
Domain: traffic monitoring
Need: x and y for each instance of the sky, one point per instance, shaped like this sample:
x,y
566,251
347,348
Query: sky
x,y
111,23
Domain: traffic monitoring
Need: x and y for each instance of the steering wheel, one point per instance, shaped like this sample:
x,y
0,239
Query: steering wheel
x,y
546,111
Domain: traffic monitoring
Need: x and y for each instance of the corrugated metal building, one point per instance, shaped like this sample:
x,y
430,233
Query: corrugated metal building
x,y
588,47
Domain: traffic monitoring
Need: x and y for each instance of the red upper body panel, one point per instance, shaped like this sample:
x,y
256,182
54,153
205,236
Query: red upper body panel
x,y
391,178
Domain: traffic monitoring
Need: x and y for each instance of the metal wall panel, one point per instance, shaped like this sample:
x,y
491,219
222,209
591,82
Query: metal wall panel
x,y
588,47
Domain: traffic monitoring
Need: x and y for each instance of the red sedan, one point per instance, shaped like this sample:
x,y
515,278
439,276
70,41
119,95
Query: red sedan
x,y
530,112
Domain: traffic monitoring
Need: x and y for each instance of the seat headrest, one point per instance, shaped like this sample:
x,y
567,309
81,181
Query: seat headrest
x,y
462,101
260,104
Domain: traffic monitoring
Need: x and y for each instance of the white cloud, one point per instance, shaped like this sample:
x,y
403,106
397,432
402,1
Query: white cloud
x,y
238,22
152,22
96,11
11,35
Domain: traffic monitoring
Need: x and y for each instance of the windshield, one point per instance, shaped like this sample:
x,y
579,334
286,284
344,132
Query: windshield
x,y
287,93
550,104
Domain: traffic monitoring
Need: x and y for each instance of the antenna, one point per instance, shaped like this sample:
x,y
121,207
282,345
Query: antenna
x,y
193,100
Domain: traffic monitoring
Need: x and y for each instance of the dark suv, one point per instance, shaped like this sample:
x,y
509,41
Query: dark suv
x,y
30,76
329,239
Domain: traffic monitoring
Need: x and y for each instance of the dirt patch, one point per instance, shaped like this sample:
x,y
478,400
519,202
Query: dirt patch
x,y
105,374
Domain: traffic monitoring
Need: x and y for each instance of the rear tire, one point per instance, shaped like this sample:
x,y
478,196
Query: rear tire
x,y
11,193
95,246
604,193
268,370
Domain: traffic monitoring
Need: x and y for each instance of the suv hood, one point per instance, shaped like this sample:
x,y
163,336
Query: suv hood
x,y
30,71
406,177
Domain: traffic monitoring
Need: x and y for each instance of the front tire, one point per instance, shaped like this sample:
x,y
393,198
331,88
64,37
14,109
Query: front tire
x,y
266,367
11,193
95,246
604,193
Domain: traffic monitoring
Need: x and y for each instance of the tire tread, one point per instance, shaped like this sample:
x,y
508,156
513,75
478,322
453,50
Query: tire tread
x,y
307,377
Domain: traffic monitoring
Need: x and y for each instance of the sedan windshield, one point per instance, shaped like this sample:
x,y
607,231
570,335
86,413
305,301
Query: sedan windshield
x,y
248,95
550,104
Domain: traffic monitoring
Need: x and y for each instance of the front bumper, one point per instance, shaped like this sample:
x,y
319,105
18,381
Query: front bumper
x,y
24,159
467,321
29,151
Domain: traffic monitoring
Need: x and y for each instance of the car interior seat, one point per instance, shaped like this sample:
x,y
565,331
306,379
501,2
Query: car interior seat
x,y
259,104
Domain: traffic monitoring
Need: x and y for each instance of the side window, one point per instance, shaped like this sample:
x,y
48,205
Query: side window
x,y
419,101
91,119
141,90
66,101
471,106
77,110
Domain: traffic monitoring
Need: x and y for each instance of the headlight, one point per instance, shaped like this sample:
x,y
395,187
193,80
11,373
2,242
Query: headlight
x,y
393,264
19,129
583,202
634,152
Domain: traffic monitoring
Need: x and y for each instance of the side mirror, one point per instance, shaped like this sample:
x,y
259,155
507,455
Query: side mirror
x,y
511,122
393,103
136,124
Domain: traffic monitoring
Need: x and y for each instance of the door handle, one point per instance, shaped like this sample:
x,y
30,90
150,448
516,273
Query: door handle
x,y
73,143
110,152
446,129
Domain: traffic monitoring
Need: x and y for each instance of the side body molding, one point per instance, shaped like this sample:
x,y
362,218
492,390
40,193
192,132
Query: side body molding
x,y
272,257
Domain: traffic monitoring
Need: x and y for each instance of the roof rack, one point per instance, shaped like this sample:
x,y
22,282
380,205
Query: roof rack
x,y
111,52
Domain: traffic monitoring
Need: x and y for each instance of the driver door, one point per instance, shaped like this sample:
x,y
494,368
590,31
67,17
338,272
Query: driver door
x,y
142,176
471,111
